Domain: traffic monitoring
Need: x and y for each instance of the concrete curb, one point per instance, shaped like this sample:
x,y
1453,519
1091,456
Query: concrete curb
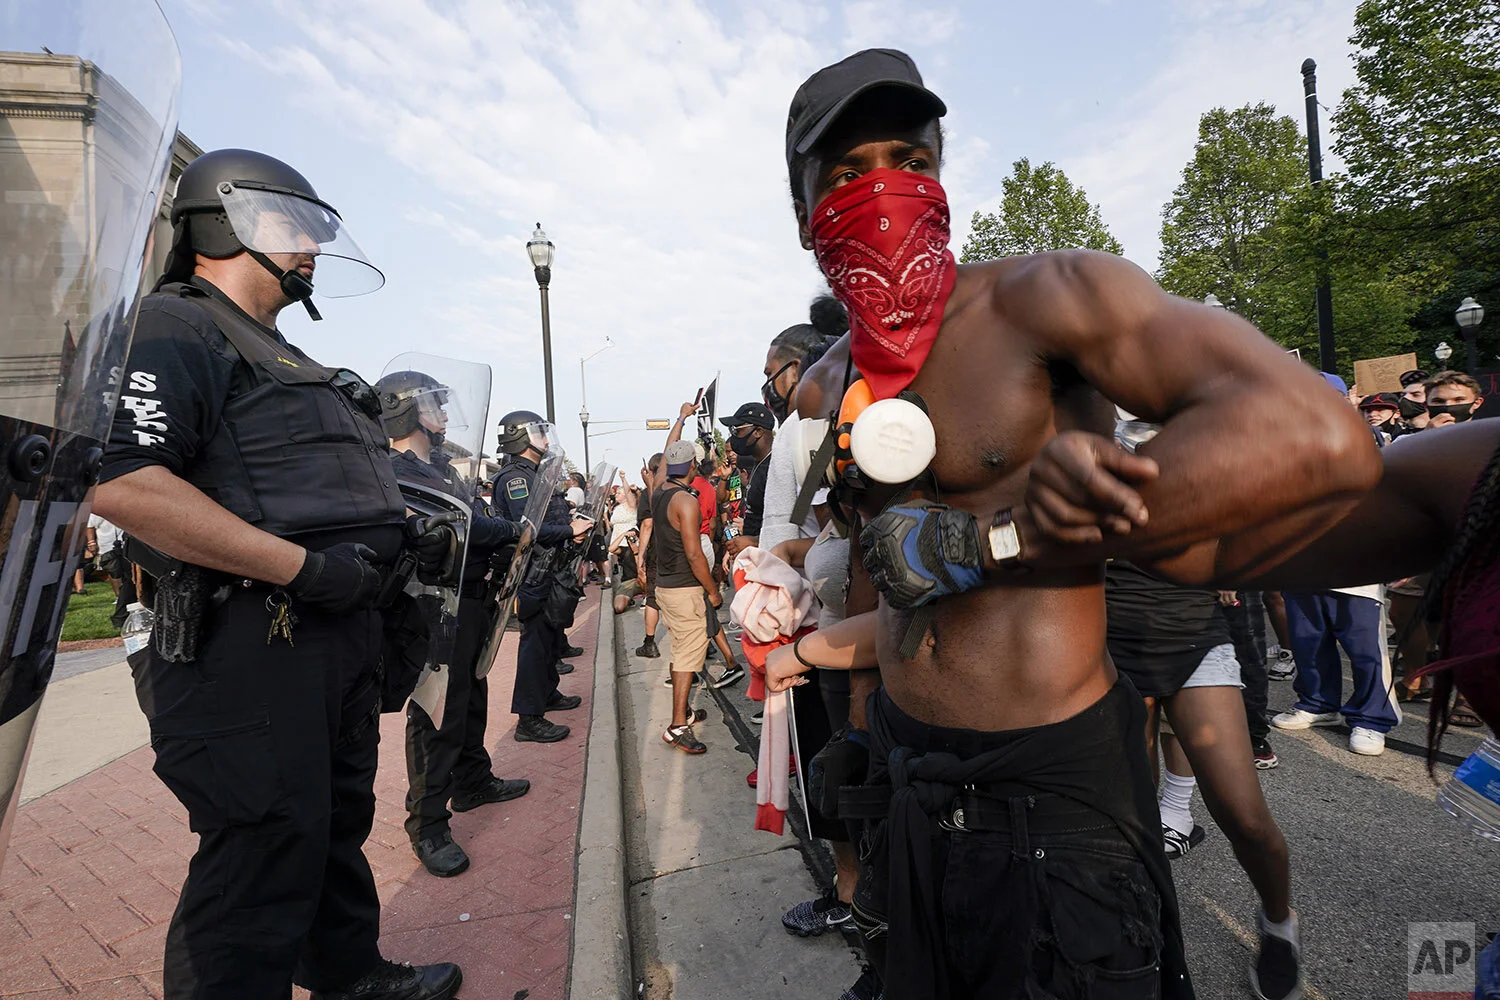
x,y
601,933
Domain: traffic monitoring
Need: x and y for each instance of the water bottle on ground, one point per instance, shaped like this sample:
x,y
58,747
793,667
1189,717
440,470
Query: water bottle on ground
x,y
137,630
1472,796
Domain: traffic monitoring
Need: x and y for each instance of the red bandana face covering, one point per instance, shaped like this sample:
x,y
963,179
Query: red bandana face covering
x,y
882,242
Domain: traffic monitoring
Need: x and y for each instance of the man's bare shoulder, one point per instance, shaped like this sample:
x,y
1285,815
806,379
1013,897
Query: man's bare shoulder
x,y
1066,293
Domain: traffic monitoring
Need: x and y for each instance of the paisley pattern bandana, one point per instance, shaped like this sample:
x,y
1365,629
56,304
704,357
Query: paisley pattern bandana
x,y
882,242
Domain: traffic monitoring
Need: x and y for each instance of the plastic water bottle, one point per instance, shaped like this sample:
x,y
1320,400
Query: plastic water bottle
x,y
1472,796
137,630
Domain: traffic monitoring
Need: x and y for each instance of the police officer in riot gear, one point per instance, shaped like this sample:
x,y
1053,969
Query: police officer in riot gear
x,y
268,474
524,436
449,760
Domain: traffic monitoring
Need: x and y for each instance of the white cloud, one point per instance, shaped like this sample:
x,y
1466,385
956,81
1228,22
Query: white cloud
x,y
1217,52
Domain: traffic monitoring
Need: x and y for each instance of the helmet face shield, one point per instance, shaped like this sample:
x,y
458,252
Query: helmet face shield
x,y
543,437
439,410
311,232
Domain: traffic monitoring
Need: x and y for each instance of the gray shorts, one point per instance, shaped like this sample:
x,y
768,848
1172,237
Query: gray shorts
x,y
1220,668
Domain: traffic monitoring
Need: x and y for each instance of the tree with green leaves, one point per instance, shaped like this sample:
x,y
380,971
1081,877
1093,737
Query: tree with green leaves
x,y
1420,134
1245,225
1040,209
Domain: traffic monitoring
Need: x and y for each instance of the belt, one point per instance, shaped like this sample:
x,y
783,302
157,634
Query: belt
x,y
974,810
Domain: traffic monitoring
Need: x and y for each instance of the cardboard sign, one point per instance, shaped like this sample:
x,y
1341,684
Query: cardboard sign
x,y
1382,374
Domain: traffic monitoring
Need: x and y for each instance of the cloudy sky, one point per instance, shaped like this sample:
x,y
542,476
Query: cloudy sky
x,y
646,136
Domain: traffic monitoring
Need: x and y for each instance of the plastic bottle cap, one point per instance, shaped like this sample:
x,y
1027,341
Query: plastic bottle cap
x,y
893,441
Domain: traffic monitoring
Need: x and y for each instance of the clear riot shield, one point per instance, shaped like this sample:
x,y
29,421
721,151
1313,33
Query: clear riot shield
x,y
435,408
595,493
88,115
504,586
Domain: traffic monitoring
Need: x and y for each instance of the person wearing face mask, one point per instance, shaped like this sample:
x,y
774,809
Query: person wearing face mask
x,y
1382,412
1001,720
1452,398
1412,403
798,348
751,433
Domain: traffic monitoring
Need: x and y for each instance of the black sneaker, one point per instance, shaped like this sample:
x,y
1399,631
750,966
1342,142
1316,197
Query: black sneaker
x,y
564,667
494,790
537,729
731,674
758,718
1283,667
866,987
815,916
683,739
648,648
441,856
1265,757
571,651
1276,973
560,702
668,682
399,981
1177,844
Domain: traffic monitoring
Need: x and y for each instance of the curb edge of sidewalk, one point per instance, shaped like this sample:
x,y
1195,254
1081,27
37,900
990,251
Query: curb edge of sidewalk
x,y
600,968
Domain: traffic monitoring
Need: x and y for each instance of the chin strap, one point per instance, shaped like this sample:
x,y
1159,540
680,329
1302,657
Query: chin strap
x,y
296,287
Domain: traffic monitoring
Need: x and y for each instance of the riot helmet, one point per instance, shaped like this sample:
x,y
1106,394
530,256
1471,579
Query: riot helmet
x,y
522,429
236,200
410,400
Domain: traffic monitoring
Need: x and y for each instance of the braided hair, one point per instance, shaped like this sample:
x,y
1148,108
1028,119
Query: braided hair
x,y
1476,546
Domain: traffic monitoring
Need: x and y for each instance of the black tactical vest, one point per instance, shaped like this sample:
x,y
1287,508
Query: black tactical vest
x,y
292,453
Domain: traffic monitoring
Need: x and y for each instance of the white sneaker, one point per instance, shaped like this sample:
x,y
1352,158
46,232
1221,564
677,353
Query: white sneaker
x,y
1366,741
1296,718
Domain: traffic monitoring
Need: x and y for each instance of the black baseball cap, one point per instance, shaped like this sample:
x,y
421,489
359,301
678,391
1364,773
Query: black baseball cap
x,y
754,414
828,92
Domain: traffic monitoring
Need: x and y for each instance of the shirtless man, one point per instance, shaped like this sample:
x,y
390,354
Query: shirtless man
x,y
1016,848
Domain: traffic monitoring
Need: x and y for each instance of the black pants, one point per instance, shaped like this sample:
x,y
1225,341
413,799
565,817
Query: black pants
x,y
272,749
1247,628
1057,904
444,761
536,661
1012,891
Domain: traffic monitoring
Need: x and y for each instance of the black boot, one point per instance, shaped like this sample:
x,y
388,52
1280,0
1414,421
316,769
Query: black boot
x,y
494,790
560,702
564,667
648,648
537,729
571,651
398,981
441,856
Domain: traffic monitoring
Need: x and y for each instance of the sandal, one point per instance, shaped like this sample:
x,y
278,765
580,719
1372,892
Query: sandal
x,y
1463,715
1407,693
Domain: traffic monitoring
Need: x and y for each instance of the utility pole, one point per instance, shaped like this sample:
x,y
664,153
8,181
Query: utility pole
x,y
1327,357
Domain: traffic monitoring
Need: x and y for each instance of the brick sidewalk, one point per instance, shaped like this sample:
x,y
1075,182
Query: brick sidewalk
x,y
92,875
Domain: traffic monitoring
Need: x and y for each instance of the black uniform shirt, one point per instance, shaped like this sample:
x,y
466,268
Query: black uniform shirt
x,y
172,393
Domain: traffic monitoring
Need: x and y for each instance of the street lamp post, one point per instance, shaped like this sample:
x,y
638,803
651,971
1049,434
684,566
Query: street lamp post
x,y
583,395
1212,301
1443,352
1327,358
1469,315
540,250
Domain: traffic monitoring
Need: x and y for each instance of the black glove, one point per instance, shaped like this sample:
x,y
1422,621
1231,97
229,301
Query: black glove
x,y
435,543
342,577
923,551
